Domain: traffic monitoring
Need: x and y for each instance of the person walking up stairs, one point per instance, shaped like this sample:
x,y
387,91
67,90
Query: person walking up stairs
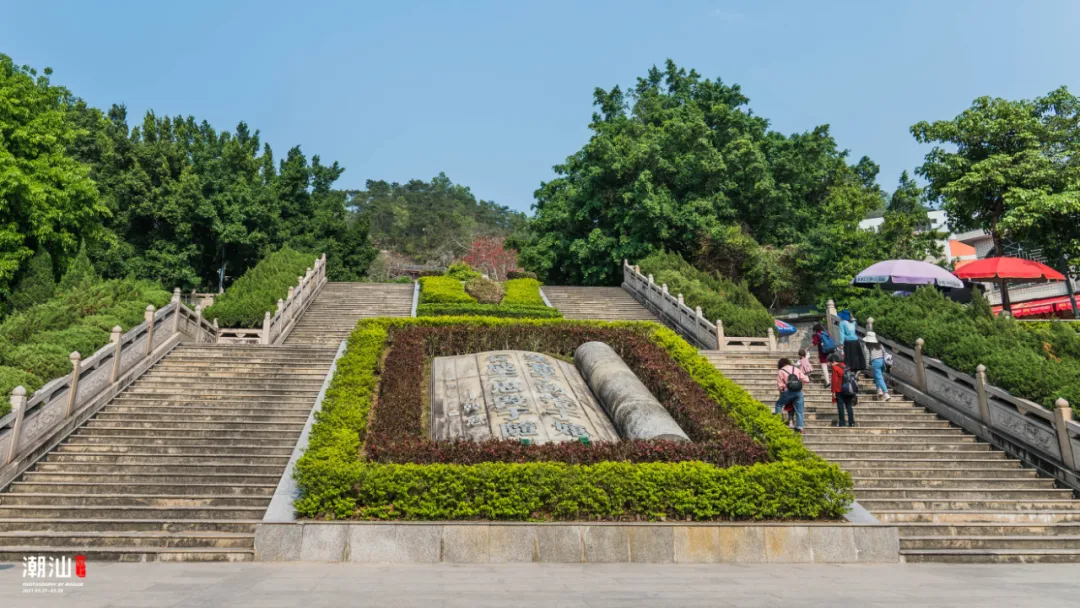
x,y
955,498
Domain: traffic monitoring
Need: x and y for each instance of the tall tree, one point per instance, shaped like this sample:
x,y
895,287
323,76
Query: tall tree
x,y
1012,170
47,199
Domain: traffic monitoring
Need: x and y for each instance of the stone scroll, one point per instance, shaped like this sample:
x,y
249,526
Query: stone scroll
x,y
514,395
634,410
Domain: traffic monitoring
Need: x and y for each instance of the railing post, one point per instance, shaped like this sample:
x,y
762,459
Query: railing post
x,y
149,316
217,331
1062,416
869,323
291,303
299,291
116,338
176,310
73,390
980,390
719,335
18,407
772,340
920,366
830,314
637,269
198,323
266,328
651,282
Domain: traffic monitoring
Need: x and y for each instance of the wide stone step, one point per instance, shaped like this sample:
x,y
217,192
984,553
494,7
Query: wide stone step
x,y
207,478
120,430
9,540
931,461
876,419
1003,505
180,398
148,458
236,526
193,417
219,369
907,424
223,392
141,425
1010,471
895,446
124,468
976,515
996,556
858,438
133,554
175,488
176,441
909,454
882,431
952,483
216,450
231,409
175,382
991,529
217,376
980,494
10,499
990,542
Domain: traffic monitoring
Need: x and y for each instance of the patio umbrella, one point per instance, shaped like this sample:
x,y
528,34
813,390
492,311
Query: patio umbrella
x,y
906,275
784,329
1004,269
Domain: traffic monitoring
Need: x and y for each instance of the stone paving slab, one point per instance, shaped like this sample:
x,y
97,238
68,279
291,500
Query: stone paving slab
x,y
267,585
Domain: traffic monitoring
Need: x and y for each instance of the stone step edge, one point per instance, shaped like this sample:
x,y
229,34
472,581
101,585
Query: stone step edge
x,y
994,538
1002,552
130,485
135,534
66,520
38,550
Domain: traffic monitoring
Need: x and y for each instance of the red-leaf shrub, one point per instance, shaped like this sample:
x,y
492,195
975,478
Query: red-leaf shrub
x,y
487,254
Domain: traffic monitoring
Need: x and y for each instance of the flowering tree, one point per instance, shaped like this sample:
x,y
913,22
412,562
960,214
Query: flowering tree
x,y
487,254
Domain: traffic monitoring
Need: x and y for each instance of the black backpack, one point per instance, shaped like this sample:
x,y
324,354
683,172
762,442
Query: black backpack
x,y
793,383
849,384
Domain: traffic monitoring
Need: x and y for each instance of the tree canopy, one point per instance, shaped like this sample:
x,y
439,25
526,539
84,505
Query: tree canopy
x,y
680,163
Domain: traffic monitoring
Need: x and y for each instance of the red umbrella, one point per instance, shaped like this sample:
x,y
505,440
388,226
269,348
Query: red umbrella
x,y
1002,270
996,269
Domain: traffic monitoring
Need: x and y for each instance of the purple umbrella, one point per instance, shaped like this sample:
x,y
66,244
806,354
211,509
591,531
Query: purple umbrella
x,y
893,275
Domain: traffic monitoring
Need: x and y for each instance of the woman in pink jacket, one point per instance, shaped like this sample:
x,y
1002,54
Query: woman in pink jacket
x,y
790,381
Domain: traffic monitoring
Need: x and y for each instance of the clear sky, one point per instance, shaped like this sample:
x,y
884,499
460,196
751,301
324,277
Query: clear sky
x,y
495,93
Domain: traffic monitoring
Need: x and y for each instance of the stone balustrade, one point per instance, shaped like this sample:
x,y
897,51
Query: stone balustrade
x,y
277,325
65,402
689,322
1046,439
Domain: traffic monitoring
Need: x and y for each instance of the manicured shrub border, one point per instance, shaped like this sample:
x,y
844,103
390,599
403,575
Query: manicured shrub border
x,y
257,291
443,290
487,310
523,292
335,482
396,428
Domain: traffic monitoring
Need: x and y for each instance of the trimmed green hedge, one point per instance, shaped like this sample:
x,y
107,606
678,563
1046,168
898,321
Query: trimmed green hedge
x,y
246,301
523,292
35,343
487,310
335,481
1040,362
718,297
443,290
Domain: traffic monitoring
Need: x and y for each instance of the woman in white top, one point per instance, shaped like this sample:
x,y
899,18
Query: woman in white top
x,y
877,363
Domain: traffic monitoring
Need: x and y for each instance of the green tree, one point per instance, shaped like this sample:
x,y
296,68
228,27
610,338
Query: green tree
x,y
1011,170
680,163
47,198
37,284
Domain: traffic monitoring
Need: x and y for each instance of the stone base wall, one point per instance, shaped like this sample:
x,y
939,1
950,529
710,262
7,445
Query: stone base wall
x,y
469,542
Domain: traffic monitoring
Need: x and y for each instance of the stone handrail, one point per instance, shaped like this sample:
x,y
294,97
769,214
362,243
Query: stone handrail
x,y
1050,440
276,327
689,321
34,420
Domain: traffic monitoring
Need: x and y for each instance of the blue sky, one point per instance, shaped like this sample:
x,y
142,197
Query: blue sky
x,y
495,93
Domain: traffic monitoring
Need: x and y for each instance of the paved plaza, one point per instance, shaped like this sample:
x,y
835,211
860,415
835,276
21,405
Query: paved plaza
x,y
311,585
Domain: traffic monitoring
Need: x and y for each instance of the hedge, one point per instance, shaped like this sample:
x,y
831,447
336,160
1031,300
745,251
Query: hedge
x,y
523,292
461,271
718,297
336,482
35,343
443,290
1040,362
487,310
246,302
484,290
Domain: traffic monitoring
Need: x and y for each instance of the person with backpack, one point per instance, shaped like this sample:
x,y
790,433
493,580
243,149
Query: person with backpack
x,y
845,390
789,381
853,353
825,347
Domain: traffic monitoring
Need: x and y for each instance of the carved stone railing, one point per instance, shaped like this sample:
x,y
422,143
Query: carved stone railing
x,y
1048,440
38,422
689,322
276,326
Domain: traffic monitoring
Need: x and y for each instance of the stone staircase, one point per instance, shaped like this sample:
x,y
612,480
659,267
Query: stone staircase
x,y
955,498
335,311
181,465
597,303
